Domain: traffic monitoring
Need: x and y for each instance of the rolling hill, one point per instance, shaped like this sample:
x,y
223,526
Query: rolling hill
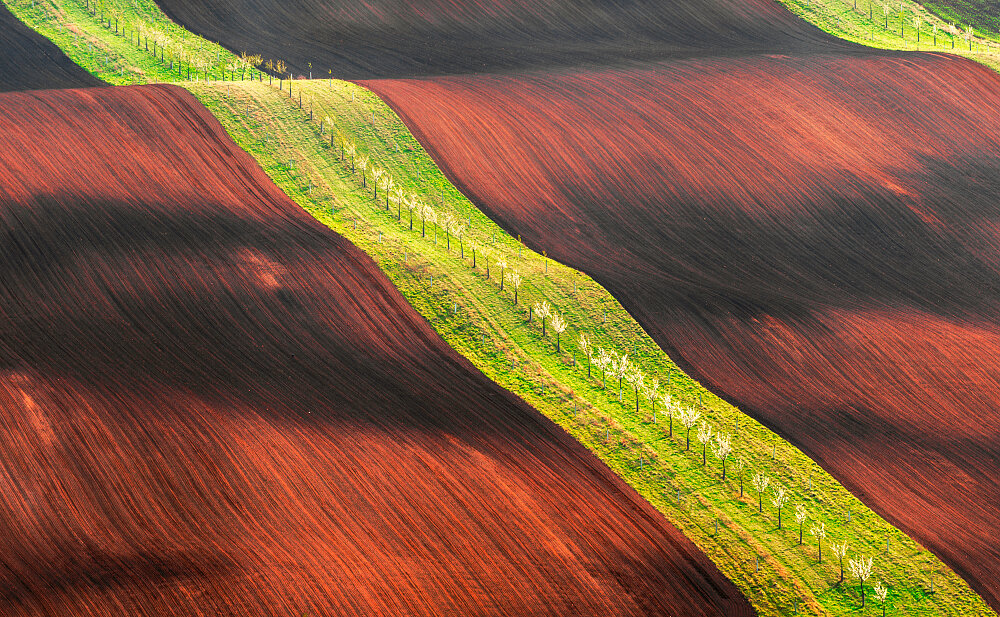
x,y
214,405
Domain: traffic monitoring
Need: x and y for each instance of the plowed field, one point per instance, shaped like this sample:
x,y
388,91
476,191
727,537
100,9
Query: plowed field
x,y
212,405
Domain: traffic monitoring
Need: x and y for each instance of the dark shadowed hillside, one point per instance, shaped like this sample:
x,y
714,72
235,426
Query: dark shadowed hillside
x,y
29,61
433,37
212,405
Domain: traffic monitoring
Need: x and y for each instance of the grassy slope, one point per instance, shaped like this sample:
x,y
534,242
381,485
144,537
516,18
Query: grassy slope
x,y
849,19
272,128
982,14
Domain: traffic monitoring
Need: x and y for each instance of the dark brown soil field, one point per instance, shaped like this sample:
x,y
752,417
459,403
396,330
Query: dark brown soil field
x,y
212,405
396,38
815,238
29,61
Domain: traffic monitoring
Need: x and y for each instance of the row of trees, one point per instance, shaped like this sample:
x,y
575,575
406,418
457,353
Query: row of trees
x,y
178,55
720,443
918,23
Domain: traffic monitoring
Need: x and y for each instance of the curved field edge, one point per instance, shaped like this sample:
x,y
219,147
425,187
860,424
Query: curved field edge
x,y
316,182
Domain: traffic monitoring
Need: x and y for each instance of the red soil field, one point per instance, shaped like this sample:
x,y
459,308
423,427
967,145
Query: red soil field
x,y
29,61
213,405
816,238
405,38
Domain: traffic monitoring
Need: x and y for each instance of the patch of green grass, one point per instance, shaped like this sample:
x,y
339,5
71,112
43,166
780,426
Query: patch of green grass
x,y
470,312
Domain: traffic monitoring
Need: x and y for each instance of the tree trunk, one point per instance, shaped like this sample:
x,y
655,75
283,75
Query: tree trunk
x,y
779,518
723,470
557,344
515,296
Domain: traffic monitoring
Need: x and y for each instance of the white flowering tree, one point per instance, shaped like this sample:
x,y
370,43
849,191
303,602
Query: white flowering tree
x,y
704,436
881,592
558,326
515,281
603,362
800,519
387,185
587,349
652,392
741,465
840,552
487,255
542,311
760,484
460,234
620,368
352,151
689,418
861,569
779,500
376,174
447,221
671,408
819,531
427,214
398,197
722,449
637,379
